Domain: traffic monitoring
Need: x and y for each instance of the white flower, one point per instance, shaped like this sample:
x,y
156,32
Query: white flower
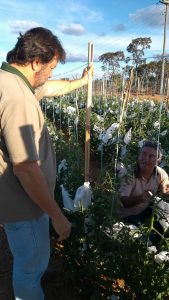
x,y
152,249
157,124
151,103
111,111
161,257
134,231
97,128
113,232
70,110
100,118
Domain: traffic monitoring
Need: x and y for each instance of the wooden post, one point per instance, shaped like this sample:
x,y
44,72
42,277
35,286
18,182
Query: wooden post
x,y
138,87
88,115
167,87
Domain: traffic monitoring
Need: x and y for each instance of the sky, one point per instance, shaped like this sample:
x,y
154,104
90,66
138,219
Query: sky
x,y
109,24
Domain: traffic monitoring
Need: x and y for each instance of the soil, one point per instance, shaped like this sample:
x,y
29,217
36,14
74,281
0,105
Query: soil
x,y
6,292
154,97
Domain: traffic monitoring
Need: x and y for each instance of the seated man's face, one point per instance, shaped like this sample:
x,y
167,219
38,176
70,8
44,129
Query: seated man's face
x,y
148,159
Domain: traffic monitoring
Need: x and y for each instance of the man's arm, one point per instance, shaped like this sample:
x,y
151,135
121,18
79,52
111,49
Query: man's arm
x,y
35,185
62,87
131,201
164,184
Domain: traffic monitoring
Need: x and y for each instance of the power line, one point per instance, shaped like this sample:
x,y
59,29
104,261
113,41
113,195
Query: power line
x,y
118,40
122,40
72,70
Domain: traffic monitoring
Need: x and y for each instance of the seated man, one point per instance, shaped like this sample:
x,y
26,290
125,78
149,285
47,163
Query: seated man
x,y
137,193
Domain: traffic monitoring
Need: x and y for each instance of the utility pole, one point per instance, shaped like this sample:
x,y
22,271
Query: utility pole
x,y
166,3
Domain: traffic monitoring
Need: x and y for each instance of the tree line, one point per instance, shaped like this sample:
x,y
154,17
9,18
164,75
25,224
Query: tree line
x,y
147,75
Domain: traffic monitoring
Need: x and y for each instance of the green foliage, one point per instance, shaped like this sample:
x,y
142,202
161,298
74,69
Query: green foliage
x,y
111,61
97,257
136,48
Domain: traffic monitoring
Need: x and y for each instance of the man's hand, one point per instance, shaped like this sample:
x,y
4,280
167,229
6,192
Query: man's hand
x,y
88,71
147,195
132,201
62,227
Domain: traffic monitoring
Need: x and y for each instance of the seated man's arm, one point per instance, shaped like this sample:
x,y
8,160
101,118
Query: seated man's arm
x,y
164,184
131,201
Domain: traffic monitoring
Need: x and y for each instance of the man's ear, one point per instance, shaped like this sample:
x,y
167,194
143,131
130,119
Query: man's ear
x,y
36,65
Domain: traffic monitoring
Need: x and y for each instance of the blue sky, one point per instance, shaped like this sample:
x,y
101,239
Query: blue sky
x,y
110,25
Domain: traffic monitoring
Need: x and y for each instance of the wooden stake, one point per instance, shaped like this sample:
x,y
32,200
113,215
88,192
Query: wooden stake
x,y
88,115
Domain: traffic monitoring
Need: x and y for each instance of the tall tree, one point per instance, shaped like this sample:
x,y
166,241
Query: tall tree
x,y
111,62
137,47
152,71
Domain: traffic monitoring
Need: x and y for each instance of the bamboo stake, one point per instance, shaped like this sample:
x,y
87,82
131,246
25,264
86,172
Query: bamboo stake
x,y
88,115
126,95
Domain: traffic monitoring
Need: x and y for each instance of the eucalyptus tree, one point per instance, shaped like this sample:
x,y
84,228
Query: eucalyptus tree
x,y
111,66
136,48
152,71
111,62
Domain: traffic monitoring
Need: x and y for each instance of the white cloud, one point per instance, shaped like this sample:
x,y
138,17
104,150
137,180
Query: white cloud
x,y
18,7
152,16
72,29
84,13
18,26
70,57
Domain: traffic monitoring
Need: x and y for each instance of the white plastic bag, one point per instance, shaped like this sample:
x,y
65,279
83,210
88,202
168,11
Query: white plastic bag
x,y
127,138
62,165
67,201
83,196
164,210
121,169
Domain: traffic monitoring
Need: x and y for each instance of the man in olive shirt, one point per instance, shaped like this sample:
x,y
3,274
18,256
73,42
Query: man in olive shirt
x,y
27,160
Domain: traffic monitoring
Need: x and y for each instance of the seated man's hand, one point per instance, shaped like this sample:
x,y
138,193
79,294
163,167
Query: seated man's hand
x,y
147,195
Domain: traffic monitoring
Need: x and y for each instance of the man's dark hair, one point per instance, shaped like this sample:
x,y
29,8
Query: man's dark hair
x,y
38,43
154,145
